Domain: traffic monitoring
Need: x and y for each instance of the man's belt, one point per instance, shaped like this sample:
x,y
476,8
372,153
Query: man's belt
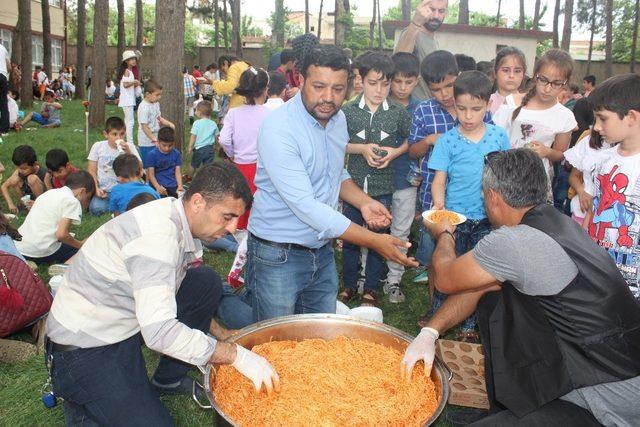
x,y
282,245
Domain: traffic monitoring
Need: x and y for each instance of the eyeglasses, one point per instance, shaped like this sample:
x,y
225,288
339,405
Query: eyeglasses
x,y
488,159
556,84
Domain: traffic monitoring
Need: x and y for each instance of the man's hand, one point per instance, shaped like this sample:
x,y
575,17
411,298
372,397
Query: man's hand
x,y
376,215
422,348
369,154
257,369
161,190
438,228
388,247
423,13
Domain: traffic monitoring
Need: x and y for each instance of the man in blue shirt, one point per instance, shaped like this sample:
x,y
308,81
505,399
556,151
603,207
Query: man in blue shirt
x,y
300,176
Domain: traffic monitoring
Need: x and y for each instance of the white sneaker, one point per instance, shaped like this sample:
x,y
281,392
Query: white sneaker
x,y
395,294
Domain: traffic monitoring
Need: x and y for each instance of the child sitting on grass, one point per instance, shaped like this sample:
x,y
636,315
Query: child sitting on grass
x,y
26,180
15,115
49,116
204,133
100,162
45,231
57,161
128,169
165,165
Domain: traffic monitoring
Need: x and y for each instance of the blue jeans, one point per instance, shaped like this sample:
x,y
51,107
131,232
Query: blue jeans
x,y
467,236
62,255
286,279
108,385
351,253
426,247
99,206
225,243
561,199
235,309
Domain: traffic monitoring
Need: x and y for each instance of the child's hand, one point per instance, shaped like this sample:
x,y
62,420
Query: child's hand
x,y
13,209
161,190
100,193
386,160
180,189
586,201
368,152
539,148
125,147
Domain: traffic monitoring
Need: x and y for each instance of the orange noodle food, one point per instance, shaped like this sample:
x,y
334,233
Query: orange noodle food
x,y
340,382
439,216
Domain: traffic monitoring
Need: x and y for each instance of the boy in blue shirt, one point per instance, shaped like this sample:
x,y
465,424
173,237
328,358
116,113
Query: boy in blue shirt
x,y
129,173
404,80
458,160
203,137
165,165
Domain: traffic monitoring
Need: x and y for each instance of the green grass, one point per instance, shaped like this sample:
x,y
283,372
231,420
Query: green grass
x,y
20,384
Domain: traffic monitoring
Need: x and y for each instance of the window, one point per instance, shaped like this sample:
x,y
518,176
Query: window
x,y
54,3
37,53
5,39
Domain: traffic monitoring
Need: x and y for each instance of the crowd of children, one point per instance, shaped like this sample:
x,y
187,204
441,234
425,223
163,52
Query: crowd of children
x,y
411,155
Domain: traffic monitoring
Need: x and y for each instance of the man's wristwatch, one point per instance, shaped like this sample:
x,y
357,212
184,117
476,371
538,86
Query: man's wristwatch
x,y
446,232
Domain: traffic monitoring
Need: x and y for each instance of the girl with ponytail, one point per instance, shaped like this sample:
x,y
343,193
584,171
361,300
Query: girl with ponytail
x,y
541,123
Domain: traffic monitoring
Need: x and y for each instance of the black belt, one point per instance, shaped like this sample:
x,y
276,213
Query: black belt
x,y
282,245
62,347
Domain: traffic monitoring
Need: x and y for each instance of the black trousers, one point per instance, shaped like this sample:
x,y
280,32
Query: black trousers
x,y
555,413
4,105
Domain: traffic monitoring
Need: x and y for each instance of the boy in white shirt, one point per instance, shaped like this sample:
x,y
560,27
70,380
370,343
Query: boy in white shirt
x,y
276,90
150,120
45,231
100,162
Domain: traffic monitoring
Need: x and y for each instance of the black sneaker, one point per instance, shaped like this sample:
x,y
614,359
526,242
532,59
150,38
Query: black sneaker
x,y
465,416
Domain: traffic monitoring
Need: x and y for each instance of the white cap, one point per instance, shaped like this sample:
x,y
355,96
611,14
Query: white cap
x,y
128,54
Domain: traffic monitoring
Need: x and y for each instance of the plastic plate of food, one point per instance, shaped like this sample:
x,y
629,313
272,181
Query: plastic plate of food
x,y
436,216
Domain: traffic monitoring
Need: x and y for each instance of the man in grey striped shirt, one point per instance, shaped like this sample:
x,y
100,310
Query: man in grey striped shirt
x,y
136,279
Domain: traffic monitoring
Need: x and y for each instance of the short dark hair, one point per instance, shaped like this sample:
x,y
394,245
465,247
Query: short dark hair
x,y
287,55
48,94
486,67
575,89
24,154
473,83
326,56
81,179
139,200
55,159
518,175
151,86
15,92
590,79
126,166
465,62
438,65
218,180
197,67
277,83
619,94
226,58
114,123
253,82
376,62
166,134
407,64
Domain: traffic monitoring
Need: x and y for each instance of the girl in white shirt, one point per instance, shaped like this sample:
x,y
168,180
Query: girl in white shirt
x,y
510,68
128,84
541,123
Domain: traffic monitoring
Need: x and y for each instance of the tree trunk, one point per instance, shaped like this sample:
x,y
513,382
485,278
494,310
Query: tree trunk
x,y
379,27
139,25
556,15
593,30
216,29
81,44
306,16
498,14
521,17
99,62
225,26
566,31
24,34
170,15
372,25
16,44
320,20
236,22
634,41
406,8
46,38
122,42
342,9
536,15
608,45
278,23
463,12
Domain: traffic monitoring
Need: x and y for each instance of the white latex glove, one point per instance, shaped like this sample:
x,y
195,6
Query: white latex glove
x,y
257,369
422,348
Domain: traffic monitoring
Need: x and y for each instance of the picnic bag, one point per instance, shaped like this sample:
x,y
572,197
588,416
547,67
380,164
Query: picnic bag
x,y
24,297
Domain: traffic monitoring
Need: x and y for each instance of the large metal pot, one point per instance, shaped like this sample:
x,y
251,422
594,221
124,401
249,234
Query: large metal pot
x,y
326,326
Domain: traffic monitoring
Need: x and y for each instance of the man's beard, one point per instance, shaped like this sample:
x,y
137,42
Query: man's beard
x,y
312,112
432,25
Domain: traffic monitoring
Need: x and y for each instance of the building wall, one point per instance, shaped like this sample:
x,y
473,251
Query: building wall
x,y
483,47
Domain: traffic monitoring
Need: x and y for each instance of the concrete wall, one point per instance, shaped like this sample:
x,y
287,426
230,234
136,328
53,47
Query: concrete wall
x,y
598,70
